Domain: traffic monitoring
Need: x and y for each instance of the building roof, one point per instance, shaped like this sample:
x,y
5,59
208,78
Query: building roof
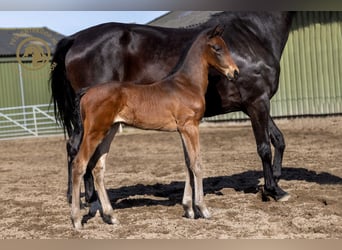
x,y
12,38
175,19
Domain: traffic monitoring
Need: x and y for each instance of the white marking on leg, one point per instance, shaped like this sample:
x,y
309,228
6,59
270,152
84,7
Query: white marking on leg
x,y
98,173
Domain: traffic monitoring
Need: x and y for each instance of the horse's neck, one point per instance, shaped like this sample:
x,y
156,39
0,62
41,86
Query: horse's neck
x,y
194,68
271,28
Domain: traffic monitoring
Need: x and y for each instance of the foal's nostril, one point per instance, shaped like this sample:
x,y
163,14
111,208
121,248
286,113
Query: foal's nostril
x,y
236,74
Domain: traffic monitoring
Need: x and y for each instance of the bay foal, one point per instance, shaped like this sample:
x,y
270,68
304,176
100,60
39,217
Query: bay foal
x,y
177,103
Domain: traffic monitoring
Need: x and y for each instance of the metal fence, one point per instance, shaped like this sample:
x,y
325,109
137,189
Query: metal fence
x,y
34,120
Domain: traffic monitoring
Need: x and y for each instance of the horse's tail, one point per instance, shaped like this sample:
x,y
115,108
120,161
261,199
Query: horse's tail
x,y
78,128
77,110
63,96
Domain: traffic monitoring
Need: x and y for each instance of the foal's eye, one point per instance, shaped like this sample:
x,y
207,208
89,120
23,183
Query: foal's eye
x,y
216,48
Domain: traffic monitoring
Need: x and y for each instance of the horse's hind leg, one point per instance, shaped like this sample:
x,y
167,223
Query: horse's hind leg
x,y
194,181
72,146
278,142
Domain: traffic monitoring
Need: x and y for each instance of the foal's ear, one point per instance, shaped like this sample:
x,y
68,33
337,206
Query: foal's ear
x,y
217,31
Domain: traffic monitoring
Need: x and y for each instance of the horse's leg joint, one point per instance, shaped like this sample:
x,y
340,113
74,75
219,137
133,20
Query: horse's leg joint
x,y
264,151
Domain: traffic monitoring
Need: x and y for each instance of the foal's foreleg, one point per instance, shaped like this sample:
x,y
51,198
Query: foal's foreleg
x,y
194,180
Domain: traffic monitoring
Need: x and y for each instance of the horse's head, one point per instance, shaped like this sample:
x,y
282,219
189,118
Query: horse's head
x,y
218,54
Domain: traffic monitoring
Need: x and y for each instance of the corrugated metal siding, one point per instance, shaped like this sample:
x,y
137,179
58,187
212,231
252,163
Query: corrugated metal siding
x,y
311,68
9,82
310,80
35,85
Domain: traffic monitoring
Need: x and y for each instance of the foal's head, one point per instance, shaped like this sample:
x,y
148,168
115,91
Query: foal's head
x,y
217,54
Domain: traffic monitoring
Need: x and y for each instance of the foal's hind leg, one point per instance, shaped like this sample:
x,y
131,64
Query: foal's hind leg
x,y
278,142
98,173
78,169
79,165
194,180
73,144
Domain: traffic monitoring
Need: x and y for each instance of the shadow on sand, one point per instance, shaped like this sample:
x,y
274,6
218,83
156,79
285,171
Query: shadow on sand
x,y
171,194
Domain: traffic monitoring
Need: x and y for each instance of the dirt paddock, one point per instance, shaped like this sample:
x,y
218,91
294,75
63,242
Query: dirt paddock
x,y
145,178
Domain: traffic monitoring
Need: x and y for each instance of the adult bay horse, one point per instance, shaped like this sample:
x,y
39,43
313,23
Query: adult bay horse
x,y
131,52
176,103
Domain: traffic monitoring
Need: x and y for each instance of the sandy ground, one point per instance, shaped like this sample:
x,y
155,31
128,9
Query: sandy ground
x,y
145,179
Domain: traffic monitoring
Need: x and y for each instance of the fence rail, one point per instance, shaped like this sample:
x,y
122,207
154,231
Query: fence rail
x,y
34,120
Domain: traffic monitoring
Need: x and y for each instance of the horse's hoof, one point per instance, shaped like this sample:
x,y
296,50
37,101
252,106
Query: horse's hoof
x,y
286,197
277,194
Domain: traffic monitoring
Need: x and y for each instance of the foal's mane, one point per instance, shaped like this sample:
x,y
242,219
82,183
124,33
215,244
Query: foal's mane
x,y
185,52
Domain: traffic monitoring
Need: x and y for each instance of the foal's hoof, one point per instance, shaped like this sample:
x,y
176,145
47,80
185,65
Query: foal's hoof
x,y
189,214
204,213
77,224
109,219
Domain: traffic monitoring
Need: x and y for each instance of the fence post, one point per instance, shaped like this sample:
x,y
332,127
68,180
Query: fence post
x,y
22,94
35,119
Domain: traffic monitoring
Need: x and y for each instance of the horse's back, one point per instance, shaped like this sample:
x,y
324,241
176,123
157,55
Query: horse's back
x,y
116,51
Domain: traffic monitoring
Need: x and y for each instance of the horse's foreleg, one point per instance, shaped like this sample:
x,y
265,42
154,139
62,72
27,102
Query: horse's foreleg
x,y
70,159
259,114
194,181
278,142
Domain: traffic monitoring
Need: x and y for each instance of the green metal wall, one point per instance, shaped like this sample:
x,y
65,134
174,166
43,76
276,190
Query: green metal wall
x,y
311,76
34,82
311,68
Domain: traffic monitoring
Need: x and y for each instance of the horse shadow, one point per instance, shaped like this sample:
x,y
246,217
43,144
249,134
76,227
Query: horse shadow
x,y
172,193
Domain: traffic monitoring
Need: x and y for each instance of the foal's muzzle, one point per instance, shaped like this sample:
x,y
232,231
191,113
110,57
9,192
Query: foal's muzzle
x,y
234,76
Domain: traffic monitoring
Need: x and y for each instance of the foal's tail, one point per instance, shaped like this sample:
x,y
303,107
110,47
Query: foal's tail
x,y
63,96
